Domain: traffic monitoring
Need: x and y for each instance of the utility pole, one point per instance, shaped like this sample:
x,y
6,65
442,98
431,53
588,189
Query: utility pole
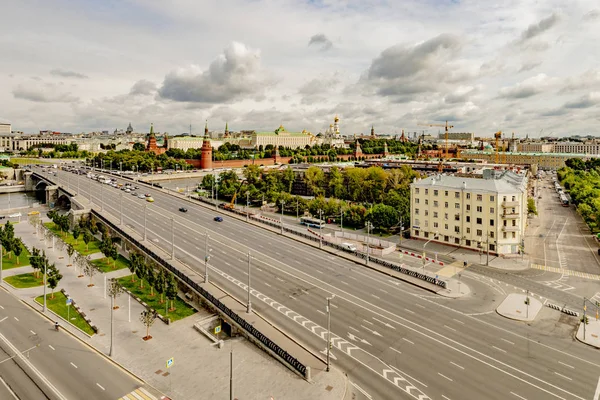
x,y
247,206
172,238
281,221
45,271
249,305
487,260
320,228
145,211
584,318
231,374
206,258
112,331
368,239
342,220
1,281
329,328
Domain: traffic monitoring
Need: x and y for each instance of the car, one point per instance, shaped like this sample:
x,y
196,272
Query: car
x,y
218,219
127,190
149,199
182,209
15,215
148,195
134,194
33,213
141,196
137,188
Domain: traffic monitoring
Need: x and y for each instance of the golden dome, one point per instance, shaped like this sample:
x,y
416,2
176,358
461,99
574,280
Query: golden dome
x,y
336,119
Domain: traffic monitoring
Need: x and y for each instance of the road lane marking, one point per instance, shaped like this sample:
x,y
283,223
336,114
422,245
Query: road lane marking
x,y
345,283
51,347
397,351
354,329
268,284
368,322
566,365
17,319
74,365
498,348
404,373
447,398
405,339
419,305
460,322
444,376
383,290
9,389
521,397
456,365
2,307
377,297
367,395
3,319
410,311
32,332
452,329
563,376
100,386
226,263
597,394
321,312
507,341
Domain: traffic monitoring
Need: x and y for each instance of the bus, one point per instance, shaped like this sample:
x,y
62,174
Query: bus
x,y
564,201
312,222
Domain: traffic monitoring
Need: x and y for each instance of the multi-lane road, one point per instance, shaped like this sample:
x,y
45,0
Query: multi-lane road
x,y
393,340
36,362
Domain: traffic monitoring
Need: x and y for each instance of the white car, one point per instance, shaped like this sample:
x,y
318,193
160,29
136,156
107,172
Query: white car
x,y
141,196
15,215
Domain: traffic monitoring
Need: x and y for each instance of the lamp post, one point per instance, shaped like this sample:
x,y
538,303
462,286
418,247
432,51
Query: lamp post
x,y
45,284
249,305
145,211
1,281
297,208
368,224
281,220
487,260
329,328
247,205
206,257
426,243
172,238
121,207
320,228
121,167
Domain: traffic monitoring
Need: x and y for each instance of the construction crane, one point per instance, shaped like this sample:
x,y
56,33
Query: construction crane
x,y
497,136
446,128
231,205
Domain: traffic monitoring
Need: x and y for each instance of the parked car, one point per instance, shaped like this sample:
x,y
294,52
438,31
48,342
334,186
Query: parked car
x,y
182,209
219,219
15,215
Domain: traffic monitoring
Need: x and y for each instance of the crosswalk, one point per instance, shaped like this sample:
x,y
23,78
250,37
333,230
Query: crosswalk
x,y
138,394
596,298
567,272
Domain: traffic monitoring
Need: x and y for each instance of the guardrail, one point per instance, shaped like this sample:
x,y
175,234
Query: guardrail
x,y
284,355
563,309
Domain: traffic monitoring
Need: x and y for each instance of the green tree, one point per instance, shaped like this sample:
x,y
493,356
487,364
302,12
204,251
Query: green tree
x,y
139,147
208,182
171,290
337,188
87,238
17,248
76,233
147,318
382,216
315,179
161,284
70,251
53,277
141,271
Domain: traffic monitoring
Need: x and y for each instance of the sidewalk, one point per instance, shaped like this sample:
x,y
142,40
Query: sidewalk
x,y
199,367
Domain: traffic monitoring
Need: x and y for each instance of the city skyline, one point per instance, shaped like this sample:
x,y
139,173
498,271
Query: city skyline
x,y
257,65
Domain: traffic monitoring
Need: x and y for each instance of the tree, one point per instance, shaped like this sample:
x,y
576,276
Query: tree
x,y
531,208
114,255
382,216
17,248
76,233
139,147
35,260
114,290
134,262
171,290
89,270
151,278
53,277
208,182
140,271
161,284
315,177
70,251
148,317
87,238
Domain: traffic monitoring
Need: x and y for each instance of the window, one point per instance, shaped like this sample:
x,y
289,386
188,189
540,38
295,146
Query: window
x,y
456,205
426,223
468,196
492,247
457,229
491,210
435,192
504,198
426,234
478,221
417,222
426,202
446,193
456,241
514,198
417,200
468,207
416,192
479,232
479,197
503,235
479,209
416,211
416,233
514,223
514,235
435,214
435,225
513,210
445,215
492,198
446,239
435,203
468,242
504,222
468,218
456,195
446,204
491,222
426,212
492,234
457,217
445,226
468,230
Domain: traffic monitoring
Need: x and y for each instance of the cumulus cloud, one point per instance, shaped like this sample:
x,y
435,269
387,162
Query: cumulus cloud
x,y
589,79
587,101
67,74
234,75
591,15
43,93
537,29
321,41
528,88
462,94
528,66
143,87
316,89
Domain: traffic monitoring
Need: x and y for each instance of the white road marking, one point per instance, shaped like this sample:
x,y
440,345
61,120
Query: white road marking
x,y
100,386
321,312
460,322
566,365
383,290
563,376
447,398
9,389
410,311
3,319
452,329
521,397
345,283
2,307
368,322
226,263
397,351
419,305
268,284
367,395
354,329
597,394
320,272
279,279
456,365
74,365
51,347
16,318
507,341
498,348
405,339
377,297
32,332
404,373
444,376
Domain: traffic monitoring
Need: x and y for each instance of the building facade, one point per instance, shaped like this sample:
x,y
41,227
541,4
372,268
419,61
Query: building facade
x,y
545,161
535,147
590,147
283,138
473,213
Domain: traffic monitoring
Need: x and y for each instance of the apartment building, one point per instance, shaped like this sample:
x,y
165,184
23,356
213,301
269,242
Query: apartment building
x,y
545,161
473,213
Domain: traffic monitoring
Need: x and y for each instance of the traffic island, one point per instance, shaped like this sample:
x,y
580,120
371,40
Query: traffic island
x,y
520,307
590,332
24,281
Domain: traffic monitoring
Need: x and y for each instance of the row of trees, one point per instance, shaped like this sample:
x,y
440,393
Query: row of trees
x,y
583,184
40,264
10,243
157,278
138,160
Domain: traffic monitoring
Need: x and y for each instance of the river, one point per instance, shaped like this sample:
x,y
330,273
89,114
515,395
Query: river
x,y
15,200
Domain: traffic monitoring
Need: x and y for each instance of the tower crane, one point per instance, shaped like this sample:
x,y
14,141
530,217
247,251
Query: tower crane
x,y
446,128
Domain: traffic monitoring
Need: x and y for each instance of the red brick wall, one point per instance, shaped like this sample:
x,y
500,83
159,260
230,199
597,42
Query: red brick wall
x,y
265,161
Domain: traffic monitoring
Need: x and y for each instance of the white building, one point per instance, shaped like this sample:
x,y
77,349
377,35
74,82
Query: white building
x,y
5,129
472,213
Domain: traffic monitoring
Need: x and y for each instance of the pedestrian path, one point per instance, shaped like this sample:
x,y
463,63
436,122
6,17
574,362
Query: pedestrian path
x,y
568,272
138,394
448,271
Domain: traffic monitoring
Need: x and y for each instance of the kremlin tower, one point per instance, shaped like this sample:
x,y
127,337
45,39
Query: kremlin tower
x,y
206,151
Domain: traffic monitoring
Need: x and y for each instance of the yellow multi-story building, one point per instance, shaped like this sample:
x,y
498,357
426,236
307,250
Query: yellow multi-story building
x,y
546,161
473,213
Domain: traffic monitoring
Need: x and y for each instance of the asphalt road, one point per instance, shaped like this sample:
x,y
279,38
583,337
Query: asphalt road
x,y
393,340
50,364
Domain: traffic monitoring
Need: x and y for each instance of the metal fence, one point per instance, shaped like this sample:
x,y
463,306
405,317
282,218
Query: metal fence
x,y
284,355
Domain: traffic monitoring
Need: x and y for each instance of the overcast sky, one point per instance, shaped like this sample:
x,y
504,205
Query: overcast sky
x,y
81,65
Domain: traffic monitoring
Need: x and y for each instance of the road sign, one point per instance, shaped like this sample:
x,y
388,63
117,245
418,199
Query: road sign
x,y
170,362
69,302
217,329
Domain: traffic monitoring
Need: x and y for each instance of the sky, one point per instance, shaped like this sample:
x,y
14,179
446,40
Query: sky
x,y
523,66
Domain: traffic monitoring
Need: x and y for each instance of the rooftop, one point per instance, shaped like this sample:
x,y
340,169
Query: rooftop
x,y
496,182
524,153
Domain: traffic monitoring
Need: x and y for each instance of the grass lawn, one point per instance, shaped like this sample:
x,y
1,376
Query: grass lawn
x,y
8,263
58,304
25,280
106,264
181,311
93,246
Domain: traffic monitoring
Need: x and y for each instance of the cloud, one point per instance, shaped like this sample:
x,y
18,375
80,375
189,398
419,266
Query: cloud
x,y
528,88
235,74
537,29
68,74
143,87
528,66
588,80
591,15
462,94
587,101
43,93
321,41
316,89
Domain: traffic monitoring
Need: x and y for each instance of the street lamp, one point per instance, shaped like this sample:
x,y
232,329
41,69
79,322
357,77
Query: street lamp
x,y
329,328
426,243
281,221
369,226
320,228
206,257
247,205
249,305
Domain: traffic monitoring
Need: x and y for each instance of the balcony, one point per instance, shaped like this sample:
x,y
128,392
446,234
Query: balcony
x,y
510,228
510,203
510,215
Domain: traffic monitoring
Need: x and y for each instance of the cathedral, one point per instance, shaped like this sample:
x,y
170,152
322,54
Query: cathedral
x,y
332,135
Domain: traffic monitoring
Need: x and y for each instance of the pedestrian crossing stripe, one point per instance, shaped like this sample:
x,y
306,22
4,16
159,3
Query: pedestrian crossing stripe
x,y
568,272
138,394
